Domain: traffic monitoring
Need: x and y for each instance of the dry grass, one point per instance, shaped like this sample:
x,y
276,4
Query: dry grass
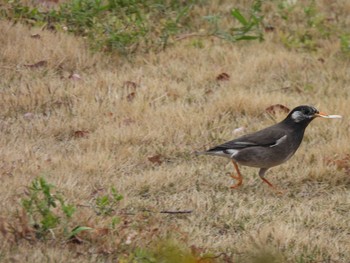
x,y
86,135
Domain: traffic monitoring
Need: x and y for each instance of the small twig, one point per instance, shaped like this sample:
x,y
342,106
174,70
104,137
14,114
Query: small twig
x,y
176,212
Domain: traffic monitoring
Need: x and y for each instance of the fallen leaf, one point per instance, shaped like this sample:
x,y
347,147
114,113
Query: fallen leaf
x,y
223,76
277,107
39,64
156,159
269,28
76,240
28,115
342,163
130,84
102,231
130,88
74,76
128,121
81,134
36,36
131,96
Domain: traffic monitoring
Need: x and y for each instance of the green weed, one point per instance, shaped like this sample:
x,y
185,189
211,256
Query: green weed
x,y
106,204
313,25
345,43
131,26
42,207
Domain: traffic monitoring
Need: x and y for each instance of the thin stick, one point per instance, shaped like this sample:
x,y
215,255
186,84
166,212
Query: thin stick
x,y
176,212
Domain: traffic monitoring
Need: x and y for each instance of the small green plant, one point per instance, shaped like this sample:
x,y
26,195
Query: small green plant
x,y
75,231
42,205
310,25
345,44
133,26
168,252
105,205
250,25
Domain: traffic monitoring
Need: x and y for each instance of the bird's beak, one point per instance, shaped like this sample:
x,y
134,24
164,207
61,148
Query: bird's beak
x,y
324,115
321,114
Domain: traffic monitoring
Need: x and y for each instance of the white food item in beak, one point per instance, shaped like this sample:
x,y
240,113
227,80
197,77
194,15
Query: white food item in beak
x,y
332,116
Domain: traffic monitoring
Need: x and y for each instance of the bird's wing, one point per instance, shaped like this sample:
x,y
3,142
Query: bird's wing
x,y
268,137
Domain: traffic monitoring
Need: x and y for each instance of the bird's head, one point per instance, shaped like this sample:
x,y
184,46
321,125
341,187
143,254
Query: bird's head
x,y
305,114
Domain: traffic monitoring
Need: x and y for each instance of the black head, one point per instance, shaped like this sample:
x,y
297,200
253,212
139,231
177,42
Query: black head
x,y
303,115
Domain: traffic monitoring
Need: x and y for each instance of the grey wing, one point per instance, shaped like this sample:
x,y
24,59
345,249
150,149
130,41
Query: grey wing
x,y
268,137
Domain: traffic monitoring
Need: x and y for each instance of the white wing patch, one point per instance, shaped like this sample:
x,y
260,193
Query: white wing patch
x,y
279,141
232,152
245,143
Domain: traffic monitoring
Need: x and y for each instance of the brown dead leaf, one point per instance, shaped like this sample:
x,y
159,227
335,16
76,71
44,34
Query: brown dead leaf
x,y
131,96
342,163
173,94
76,240
102,231
42,63
36,36
208,92
156,159
128,121
277,108
130,85
269,28
97,190
223,76
74,77
81,134
130,90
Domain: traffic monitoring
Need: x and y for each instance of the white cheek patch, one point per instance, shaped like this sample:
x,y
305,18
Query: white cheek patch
x,y
297,116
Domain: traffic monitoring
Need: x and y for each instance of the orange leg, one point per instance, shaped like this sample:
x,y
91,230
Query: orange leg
x,y
239,177
265,180
262,174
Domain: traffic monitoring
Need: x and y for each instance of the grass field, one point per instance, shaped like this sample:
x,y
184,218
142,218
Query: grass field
x,y
115,139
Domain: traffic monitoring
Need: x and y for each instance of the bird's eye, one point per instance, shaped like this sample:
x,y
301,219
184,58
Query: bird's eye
x,y
307,111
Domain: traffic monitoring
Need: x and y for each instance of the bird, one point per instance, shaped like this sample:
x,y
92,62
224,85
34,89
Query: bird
x,y
268,147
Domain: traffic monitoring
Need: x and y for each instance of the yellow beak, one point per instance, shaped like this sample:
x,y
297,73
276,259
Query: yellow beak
x,y
324,115
321,114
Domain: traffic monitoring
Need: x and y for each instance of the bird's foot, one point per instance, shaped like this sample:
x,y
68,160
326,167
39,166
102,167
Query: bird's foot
x,y
238,178
278,191
235,185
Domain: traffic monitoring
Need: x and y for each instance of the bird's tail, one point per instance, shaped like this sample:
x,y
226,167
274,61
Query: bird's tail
x,y
199,153
206,153
214,153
